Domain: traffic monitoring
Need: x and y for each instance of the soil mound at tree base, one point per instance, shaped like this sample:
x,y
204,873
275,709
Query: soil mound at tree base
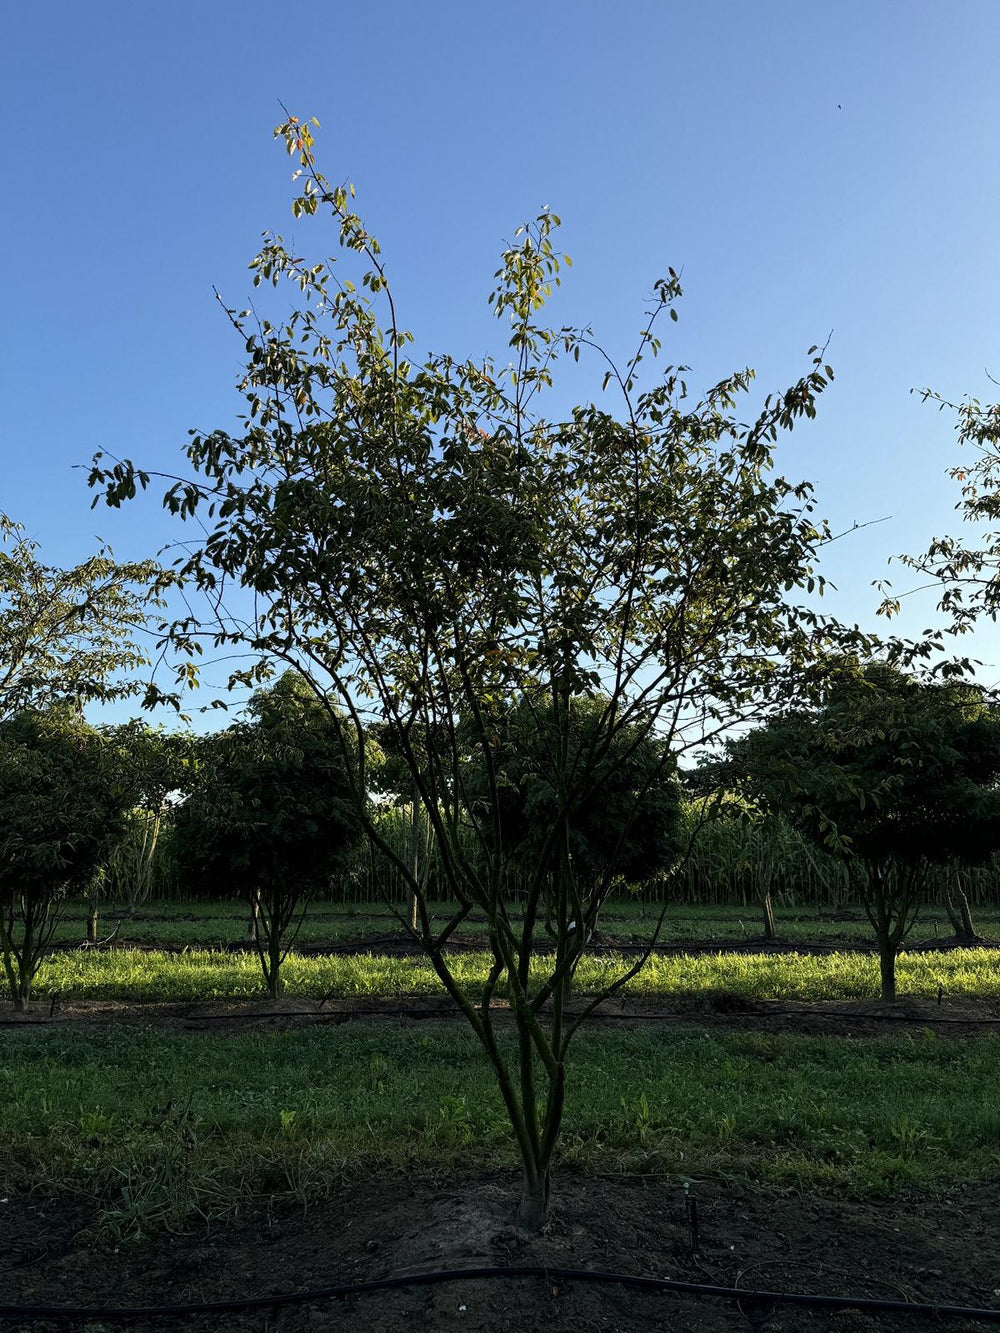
x,y
937,1248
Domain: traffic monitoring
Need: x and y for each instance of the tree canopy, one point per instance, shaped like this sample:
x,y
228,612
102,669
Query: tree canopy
x,y
887,767
65,790
967,572
271,802
426,547
627,828
68,634
890,773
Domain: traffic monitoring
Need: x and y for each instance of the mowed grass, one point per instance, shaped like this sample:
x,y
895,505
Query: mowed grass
x,y
139,976
160,1127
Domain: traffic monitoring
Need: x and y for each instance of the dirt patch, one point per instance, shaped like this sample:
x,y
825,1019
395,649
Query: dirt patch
x,y
855,1018
939,1249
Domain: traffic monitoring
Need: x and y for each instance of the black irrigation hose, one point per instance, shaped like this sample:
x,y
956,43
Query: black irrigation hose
x,y
343,1015
755,1305
693,1016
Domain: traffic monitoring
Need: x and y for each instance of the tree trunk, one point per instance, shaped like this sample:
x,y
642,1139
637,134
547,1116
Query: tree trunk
x,y
92,924
414,860
968,926
533,1211
953,917
965,929
769,931
887,969
254,916
274,978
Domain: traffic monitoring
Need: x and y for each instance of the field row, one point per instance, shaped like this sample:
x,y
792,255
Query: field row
x,y
157,1125
225,924
139,976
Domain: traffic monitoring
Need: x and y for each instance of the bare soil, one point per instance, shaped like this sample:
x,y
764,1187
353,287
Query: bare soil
x,y
958,1017
940,1249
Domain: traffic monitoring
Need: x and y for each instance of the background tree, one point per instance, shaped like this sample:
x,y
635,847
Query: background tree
x,y
755,840
64,794
893,775
67,634
628,828
966,572
425,547
395,780
162,765
271,815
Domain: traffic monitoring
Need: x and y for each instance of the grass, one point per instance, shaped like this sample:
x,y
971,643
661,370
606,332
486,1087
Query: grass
x,y
224,923
140,977
162,1126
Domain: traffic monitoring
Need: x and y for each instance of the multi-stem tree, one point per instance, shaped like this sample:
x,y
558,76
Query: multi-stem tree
x,y
629,829
891,774
271,815
65,789
426,546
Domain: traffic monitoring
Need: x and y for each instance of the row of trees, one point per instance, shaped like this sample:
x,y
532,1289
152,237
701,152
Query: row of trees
x,y
888,779
889,775
438,560
262,810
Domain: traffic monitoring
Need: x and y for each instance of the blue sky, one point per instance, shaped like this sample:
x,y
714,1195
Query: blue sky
x,y
808,167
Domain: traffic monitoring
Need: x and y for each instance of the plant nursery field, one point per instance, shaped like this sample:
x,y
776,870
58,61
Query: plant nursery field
x,y
167,1136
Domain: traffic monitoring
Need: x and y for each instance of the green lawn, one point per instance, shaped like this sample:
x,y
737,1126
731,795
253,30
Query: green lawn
x,y
159,1125
133,975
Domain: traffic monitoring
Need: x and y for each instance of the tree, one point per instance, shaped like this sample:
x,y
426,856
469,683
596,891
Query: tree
x,y
426,548
162,768
271,813
67,635
892,774
394,779
627,829
753,842
968,574
64,793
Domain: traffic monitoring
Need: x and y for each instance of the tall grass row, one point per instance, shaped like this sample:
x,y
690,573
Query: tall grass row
x,y
732,861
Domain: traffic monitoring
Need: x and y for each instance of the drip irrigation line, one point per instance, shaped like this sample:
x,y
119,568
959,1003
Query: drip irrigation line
x,y
696,1017
755,1305
925,1020
693,1016
342,1015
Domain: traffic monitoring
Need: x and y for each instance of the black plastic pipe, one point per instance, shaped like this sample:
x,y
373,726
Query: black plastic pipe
x,y
758,1299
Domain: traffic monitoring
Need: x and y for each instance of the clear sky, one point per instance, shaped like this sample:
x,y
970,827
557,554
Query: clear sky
x,y
809,167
